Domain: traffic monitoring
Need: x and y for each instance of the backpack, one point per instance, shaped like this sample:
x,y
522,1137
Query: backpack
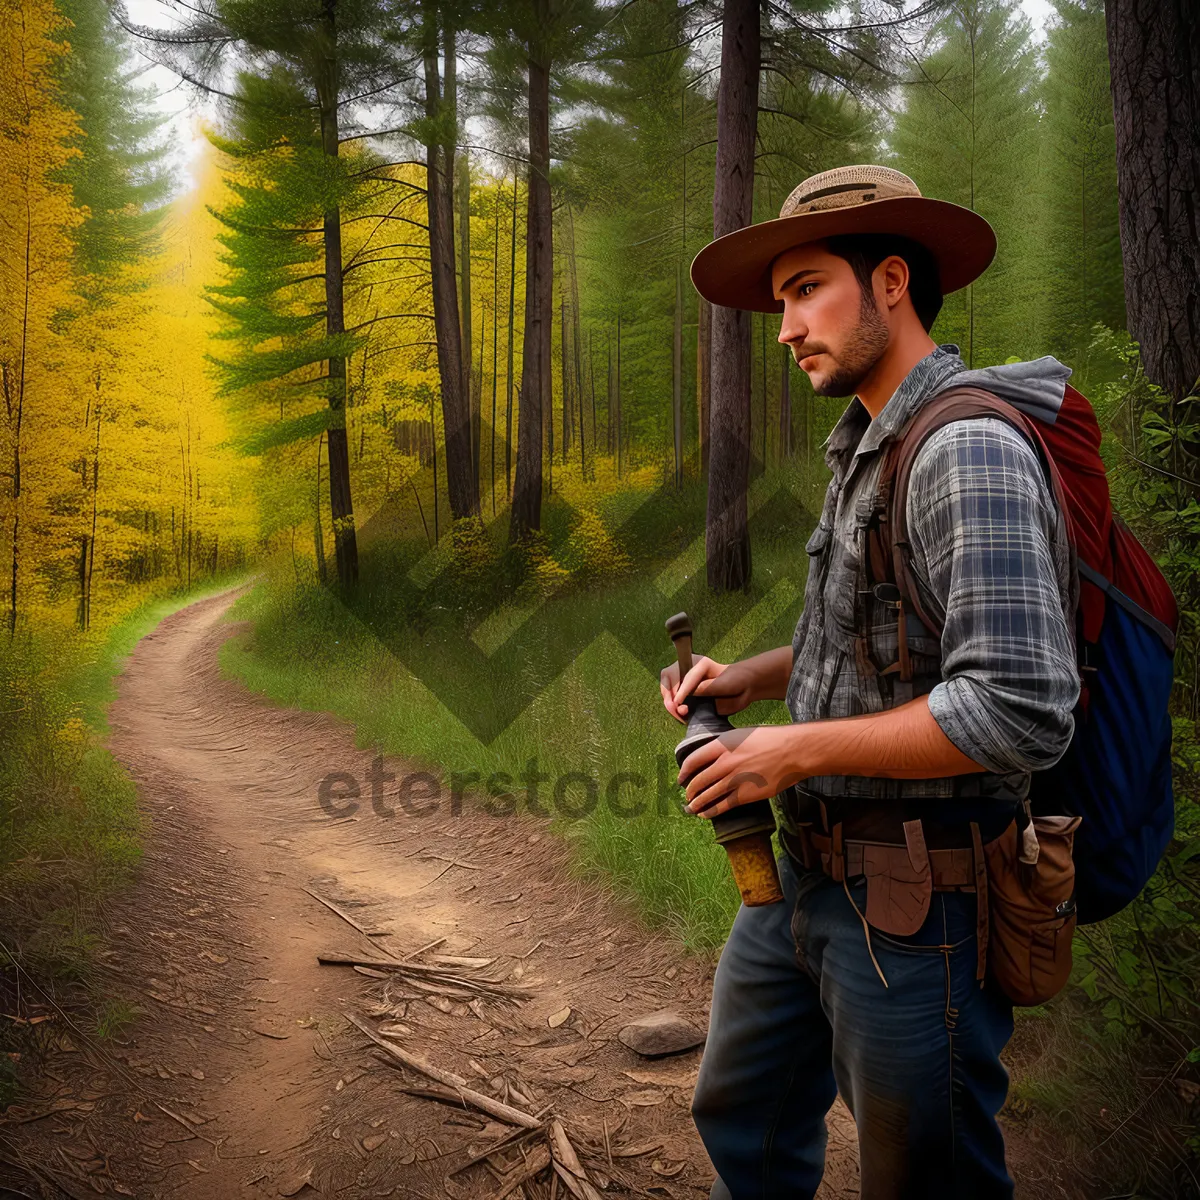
x,y
1116,772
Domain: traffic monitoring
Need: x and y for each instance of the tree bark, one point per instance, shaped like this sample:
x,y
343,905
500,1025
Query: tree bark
x,y
566,397
577,335
318,534
703,377
495,343
341,507
727,535
539,310
508,387
1154,52
464,227
464,499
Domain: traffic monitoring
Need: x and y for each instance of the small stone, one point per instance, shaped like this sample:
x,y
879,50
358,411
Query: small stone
x,y
374,1141
660,1033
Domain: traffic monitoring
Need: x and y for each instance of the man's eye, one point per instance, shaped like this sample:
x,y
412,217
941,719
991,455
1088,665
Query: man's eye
x,y
803,288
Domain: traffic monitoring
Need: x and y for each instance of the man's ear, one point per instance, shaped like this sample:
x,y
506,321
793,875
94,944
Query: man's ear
x,y
892,275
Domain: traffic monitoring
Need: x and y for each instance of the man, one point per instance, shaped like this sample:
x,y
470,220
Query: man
x,y
810,997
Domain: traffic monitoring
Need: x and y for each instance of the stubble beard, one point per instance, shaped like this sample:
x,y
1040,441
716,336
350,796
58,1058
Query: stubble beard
x,y
864,348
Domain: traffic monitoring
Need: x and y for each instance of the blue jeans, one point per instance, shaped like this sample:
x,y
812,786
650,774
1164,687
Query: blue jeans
x,y
917,1062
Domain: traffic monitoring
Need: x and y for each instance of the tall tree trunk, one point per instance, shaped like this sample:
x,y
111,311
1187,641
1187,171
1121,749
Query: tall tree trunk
x,y
727,534
566,396
762,329
341,506
495,343
318,533
577,336
620,423
785,405
1154,52
592,391
464,499
508,387
464,234
609,408
703,377
677,376
539,311
90,571
433,456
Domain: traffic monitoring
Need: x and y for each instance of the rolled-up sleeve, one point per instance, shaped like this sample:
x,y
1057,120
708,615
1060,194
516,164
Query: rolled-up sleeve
x,y
988,539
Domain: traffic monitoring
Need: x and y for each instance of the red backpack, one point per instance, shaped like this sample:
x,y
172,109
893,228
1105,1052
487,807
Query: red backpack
x,y
1116,773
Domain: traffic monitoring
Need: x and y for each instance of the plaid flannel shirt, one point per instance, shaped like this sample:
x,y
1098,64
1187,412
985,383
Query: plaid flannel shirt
x,y
990,556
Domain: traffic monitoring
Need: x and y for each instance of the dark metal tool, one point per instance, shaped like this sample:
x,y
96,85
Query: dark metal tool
x,y
745,831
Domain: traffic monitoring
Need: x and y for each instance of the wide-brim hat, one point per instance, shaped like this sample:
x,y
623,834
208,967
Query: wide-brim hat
x,y
735,270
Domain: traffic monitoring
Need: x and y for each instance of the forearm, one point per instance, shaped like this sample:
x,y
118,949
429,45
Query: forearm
x,y
772,670
905,742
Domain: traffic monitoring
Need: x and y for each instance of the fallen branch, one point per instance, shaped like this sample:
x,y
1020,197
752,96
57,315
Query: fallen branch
x,y
567,1164
426,971
333,908
539,1160
505,1143
502,1112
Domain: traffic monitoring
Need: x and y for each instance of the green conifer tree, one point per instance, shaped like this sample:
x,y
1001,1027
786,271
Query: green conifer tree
x,y
1080,253
967,132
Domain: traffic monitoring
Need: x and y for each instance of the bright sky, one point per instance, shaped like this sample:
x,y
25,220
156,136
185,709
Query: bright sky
x,y
183,108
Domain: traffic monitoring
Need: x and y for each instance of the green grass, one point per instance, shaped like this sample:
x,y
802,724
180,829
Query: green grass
x,y
574,687
70,829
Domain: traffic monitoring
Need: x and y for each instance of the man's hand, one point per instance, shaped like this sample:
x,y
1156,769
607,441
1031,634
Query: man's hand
x,y
731,685
755,762
758,761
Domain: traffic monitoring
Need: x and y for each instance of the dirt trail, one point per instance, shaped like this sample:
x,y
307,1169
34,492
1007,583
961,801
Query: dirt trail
x,y
241,1077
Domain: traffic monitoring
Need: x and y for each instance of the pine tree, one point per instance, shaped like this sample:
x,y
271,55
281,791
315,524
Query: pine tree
x,y
1081,245
313,62
968,133
118,181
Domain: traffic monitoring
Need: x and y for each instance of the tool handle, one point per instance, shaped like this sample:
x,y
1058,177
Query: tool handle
x,y
680,628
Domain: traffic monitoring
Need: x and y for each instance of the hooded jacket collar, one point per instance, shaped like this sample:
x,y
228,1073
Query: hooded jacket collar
x,y
1035,387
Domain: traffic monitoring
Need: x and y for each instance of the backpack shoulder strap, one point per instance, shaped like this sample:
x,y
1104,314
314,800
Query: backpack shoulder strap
x,y
954,404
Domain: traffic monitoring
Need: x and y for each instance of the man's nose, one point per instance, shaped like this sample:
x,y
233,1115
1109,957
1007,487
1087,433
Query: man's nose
x,y
792,329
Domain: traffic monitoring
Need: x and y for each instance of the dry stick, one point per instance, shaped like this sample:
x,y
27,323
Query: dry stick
x,y
448,980
502,1112
505,1143
415,953
539,1160
564,1154
333,908
176,1117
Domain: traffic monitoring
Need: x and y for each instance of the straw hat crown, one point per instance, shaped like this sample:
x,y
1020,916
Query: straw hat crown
x,y
845,186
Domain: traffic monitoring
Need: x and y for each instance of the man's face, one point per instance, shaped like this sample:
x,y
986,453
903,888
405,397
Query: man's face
x,y
834,329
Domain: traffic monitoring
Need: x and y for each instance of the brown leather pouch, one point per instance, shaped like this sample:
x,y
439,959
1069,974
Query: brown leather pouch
x,y
899,883
1032,909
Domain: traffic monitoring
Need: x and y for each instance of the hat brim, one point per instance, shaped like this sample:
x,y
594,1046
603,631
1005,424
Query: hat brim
x,y
735,270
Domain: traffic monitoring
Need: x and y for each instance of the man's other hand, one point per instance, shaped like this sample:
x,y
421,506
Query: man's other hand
x,y
731,685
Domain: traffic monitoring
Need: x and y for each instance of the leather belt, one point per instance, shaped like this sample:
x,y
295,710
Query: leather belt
x,y
950,870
